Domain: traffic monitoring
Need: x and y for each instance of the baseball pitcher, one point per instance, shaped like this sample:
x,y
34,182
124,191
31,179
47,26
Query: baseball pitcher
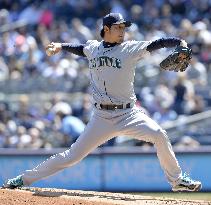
x,y
112,64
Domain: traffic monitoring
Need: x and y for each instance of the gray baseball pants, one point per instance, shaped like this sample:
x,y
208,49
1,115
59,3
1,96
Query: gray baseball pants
x,y
105,125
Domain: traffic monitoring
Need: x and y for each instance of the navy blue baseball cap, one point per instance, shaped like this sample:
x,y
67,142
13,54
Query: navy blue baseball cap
x,y
113,18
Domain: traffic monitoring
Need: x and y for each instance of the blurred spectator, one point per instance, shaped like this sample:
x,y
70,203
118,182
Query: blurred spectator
x,y
4,17
118,7
196,105
4,70
46,17
187,142
69,124
179,100
197,73
30,11
83,109
2,135
82,32
165,114
184,91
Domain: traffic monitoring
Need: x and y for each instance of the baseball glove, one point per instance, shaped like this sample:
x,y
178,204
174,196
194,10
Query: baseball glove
x,y
178,60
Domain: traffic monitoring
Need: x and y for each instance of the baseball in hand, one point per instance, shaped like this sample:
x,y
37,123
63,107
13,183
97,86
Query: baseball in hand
x,y
50,51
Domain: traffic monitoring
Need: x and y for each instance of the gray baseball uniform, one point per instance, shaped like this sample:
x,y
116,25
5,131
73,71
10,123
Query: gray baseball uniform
x,y
112,71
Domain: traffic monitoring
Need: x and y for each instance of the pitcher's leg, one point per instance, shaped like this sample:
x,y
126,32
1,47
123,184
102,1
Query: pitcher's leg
x,y
96,133
166,156
141,127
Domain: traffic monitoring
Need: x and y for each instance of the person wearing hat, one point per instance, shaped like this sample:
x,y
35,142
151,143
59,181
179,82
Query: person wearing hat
x,y
112,64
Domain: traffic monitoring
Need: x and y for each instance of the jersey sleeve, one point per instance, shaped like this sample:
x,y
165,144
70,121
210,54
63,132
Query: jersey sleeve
x,y
89,47
137,49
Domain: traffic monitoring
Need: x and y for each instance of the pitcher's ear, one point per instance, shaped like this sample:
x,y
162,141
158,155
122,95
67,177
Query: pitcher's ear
x,y
106,28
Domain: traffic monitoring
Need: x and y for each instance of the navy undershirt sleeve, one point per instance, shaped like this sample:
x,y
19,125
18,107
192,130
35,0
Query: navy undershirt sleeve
x,y
76,49
163,43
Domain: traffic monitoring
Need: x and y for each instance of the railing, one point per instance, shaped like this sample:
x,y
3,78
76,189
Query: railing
x,y
187,125
187,120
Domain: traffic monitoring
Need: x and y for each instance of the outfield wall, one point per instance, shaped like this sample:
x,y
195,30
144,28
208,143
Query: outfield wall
x,y
111,169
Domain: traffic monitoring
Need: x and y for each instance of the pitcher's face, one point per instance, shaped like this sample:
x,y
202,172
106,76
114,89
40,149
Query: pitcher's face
x,y
117,33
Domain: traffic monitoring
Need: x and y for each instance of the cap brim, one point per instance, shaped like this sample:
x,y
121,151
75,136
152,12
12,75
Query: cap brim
x,y
127,23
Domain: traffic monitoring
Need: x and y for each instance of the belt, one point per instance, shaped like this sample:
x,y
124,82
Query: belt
x,y
113,106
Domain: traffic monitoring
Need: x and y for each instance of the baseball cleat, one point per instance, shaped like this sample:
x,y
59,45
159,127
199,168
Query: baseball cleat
x,y
14,183
187,184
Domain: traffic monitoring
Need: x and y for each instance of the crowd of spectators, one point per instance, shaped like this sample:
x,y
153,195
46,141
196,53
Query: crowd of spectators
x,y
54,124
27,26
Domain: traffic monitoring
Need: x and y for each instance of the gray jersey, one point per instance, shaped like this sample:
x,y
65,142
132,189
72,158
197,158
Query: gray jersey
x,y
112,70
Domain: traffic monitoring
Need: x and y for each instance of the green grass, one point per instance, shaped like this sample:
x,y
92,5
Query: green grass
x,y
188,196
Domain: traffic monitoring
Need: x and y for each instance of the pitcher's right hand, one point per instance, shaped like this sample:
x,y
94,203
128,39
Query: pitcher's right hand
x,y
53,48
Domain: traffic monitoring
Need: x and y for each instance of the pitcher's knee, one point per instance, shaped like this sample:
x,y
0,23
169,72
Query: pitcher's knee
x,y
69,158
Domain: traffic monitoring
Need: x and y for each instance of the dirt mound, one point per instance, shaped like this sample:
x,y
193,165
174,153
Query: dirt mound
x,y
39,196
